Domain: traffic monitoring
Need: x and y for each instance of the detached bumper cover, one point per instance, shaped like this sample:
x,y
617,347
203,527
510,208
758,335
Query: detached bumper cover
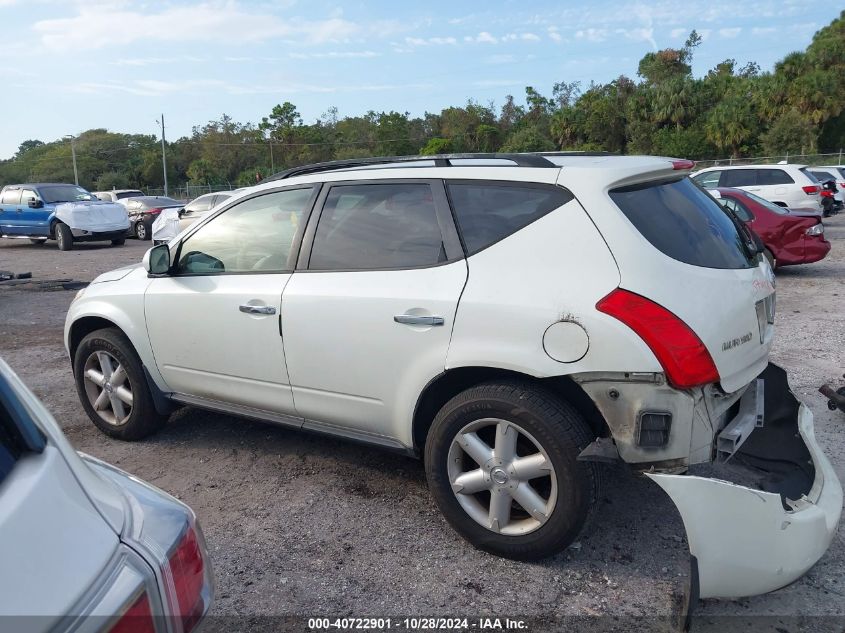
x,y
749,540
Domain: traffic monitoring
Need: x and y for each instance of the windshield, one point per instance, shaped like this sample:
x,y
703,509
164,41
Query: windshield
x,y
771,206
64,193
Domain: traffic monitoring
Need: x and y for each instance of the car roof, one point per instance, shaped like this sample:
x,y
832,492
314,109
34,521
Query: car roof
x,y
115,191
764,166
41,184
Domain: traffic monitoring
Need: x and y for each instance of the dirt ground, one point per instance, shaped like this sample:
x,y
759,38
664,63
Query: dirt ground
x,y
300,525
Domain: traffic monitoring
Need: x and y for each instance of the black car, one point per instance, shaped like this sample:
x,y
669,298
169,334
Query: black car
x,y
143,211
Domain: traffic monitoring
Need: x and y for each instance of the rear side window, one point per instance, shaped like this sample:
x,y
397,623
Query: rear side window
x,y
684,222
738,178
377,227
773,177
491,211
11,196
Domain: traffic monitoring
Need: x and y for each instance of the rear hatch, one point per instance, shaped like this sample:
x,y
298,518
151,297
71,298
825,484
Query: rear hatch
x,y
682,250
53,541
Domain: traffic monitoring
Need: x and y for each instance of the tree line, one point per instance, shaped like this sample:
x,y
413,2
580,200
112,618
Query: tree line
x,y
733,110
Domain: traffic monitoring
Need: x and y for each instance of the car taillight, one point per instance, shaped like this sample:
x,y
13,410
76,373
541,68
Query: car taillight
x,y
842,185
187,568
138,618
817,229
683,164
683,356
154,211
811,190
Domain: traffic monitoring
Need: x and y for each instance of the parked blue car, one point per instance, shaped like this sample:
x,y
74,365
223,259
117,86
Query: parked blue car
x,y
65,213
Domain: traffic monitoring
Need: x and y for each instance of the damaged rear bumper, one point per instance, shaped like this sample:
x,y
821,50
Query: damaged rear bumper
x,y
755,538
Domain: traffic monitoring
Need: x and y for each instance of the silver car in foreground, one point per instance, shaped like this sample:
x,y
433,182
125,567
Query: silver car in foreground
x,y
85,546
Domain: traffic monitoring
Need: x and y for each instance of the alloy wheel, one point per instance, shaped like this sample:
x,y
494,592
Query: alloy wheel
x,y
108,388
502,477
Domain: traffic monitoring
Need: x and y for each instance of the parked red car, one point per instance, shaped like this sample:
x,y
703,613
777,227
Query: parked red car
x,y
791,236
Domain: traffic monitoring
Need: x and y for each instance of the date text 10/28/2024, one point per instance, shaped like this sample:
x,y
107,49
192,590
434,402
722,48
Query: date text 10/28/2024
x,y
417,624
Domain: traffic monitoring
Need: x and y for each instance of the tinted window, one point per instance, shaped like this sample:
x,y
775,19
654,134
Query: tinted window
x,y
255,236
771,206
128,194
11,196
684,222
708,180
377,226
823,176
738,178
738,209
64,193
200,205
773,177
488,212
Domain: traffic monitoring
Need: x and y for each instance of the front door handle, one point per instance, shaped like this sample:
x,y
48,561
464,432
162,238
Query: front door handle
x,y
250,309
413,319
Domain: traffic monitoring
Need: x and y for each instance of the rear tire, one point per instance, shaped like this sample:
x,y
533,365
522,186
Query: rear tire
x,y
487,497
142,232
64,238
112,386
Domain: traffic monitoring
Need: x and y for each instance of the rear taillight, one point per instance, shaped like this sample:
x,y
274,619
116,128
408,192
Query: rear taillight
x,y
154,211
811,190
683,164
138,618
684,358
187,568
842,185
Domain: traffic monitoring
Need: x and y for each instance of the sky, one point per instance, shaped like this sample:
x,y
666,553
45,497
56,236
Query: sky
x,y
71,65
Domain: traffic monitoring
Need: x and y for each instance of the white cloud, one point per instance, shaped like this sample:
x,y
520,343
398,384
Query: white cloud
x,y
554,34
335,55
676,33
592,35
482,38
430,41
730,32
528,37
763,30
99,26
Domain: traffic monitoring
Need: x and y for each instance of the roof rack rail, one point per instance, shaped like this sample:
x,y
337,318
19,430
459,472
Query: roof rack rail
x,y
576,153
440,160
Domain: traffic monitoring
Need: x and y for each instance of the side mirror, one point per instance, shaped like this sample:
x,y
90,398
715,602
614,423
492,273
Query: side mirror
x,y
157,260
34,203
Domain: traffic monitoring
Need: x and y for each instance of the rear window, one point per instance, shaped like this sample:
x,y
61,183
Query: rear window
x,y
18,434
823,176
490,211
684,222
128,194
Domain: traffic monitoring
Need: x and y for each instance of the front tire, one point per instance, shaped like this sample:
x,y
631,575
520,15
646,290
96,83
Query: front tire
x,y
112,387
64,238
501,461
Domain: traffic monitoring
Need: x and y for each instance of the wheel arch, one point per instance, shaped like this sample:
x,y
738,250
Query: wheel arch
x,y
450,383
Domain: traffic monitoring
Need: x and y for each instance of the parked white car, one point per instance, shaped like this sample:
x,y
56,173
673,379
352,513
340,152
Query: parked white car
x,y
837,175
170,222
785,185
118,195
80,538
515,320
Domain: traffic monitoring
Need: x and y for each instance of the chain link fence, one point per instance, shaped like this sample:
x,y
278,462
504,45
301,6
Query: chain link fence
x,y
189,192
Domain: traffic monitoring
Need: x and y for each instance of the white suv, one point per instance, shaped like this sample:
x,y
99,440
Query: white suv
x,y
785,185
515,320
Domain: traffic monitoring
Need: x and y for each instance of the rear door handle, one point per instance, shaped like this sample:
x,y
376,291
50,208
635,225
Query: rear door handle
x,y
413,319
250,309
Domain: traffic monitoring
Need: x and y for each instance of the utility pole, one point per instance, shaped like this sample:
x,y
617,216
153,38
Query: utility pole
x,y
273,162
73,153
163,154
